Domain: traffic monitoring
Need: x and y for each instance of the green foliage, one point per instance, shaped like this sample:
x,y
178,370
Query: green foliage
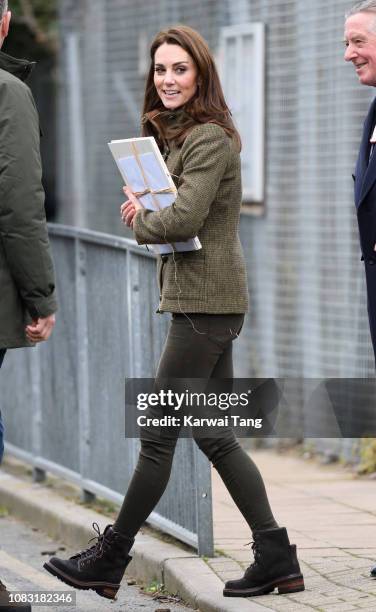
x,y
33,30
367,456
154,587
39,14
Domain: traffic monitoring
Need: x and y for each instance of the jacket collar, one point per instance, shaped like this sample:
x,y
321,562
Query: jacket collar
x,y
167,117
169,126
18,67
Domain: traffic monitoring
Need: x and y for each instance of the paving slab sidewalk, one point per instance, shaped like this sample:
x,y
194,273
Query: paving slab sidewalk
x,y
178,568
331,516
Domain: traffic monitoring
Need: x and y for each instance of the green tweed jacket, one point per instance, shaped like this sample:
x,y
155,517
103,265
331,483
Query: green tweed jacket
x,y
213,280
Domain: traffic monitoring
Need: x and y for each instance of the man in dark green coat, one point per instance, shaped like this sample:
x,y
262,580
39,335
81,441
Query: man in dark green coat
x,y
27,284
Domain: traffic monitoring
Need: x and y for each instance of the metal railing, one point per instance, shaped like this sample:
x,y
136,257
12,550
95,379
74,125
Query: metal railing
x,y
63,402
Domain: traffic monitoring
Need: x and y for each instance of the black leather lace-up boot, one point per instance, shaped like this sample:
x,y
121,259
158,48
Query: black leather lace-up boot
x,y
275,566
7,606
100,567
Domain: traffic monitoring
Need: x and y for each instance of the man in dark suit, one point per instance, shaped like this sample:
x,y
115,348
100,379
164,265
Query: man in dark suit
x,y
360,40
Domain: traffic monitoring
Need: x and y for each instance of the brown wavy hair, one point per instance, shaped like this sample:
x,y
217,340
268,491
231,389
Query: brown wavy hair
x,y
207,105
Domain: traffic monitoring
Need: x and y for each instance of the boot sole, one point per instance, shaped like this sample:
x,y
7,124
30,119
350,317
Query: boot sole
x,y
104,589
287,584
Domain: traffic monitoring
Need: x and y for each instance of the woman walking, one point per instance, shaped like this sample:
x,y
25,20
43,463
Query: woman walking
x,y
206,292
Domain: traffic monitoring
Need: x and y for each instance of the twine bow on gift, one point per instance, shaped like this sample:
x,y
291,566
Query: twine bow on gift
x,y
152,192
148,188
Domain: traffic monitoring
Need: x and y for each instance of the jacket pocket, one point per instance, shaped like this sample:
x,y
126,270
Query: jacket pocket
x,y
184,279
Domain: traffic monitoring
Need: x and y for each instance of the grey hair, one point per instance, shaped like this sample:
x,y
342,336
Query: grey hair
x,y
366,6
3,7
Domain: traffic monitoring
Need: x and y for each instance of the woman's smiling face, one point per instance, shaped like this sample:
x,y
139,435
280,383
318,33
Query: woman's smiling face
x,y
175,75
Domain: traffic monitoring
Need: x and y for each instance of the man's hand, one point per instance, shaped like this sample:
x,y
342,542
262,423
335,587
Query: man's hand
x,y
40,329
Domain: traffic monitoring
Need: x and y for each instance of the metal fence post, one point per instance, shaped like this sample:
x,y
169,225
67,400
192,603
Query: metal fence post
x,y
204,504
130,364
83,365
39,475
76,130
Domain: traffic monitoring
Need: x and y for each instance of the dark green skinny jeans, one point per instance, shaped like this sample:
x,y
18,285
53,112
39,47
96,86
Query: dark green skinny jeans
x,y
196,347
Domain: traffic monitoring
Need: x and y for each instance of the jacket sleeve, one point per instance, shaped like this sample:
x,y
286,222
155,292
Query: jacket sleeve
x,y
23,230
205,155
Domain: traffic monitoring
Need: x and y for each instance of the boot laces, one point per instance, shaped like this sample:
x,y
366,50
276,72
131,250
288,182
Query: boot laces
x,y
97,550
256,553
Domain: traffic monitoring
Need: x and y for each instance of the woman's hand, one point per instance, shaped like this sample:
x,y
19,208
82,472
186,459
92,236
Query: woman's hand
x,y
130,208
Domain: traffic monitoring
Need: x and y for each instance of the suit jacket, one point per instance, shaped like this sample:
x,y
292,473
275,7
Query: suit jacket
x,y
212,280
365,189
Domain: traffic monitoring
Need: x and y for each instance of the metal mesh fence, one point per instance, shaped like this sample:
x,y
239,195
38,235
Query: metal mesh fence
x,y
64,403
308,313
